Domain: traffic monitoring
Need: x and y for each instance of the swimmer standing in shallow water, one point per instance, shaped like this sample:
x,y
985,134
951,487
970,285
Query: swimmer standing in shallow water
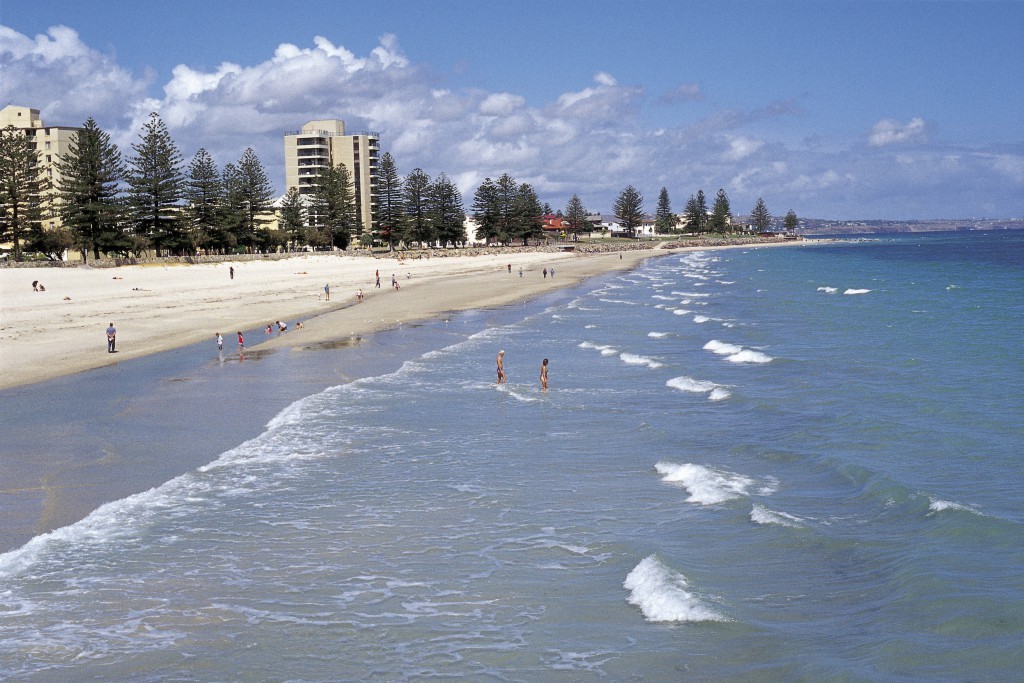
x,y
501,367
544,375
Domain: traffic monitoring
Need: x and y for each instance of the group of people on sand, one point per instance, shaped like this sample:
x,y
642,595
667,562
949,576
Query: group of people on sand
x,y
394,280
502,377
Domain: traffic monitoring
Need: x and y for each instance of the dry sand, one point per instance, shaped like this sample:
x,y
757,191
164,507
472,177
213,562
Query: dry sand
x,y
159,307
155,308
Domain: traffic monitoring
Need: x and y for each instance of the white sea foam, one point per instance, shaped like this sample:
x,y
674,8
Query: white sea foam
x,y
705,485
661,595
657,335
633,359
828,290
514,393
719,394
857,291
715,392
722,348
692,294
700,318
696,386
737,354
682,311
663,297
937,505
762,515
603,348
750,356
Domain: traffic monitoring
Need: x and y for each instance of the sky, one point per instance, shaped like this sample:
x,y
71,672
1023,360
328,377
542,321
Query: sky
x,y
836,110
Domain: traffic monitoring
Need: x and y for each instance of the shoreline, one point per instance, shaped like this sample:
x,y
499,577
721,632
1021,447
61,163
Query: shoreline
x,y
80,439
160,307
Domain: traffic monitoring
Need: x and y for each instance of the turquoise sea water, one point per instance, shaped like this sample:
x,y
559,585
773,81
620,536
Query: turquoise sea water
x,y
762,464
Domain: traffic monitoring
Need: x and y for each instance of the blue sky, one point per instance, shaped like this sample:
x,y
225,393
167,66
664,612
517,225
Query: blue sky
x,y
849,110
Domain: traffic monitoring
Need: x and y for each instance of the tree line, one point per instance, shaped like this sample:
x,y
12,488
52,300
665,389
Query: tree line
x,y
109,205
695,217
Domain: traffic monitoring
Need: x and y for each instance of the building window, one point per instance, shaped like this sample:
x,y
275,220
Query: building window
x,y
47,144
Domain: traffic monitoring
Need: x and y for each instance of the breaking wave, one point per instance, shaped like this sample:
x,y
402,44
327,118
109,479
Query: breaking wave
x,y
661,594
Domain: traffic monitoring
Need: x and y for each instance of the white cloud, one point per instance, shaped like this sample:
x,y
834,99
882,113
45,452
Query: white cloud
x,y
64,78
1009,165
591,139
501,104
888,132
741,147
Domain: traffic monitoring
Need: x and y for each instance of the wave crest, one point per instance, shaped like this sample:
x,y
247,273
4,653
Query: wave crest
x,y
661,595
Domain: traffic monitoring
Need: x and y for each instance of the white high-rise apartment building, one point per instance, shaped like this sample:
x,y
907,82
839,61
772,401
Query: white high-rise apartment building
x,y
324,143
52,142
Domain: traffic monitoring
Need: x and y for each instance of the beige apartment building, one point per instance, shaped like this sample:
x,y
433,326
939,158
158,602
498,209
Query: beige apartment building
x,y
52,142
324,143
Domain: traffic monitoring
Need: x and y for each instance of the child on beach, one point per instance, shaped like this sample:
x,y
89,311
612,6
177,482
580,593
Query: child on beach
x,y
220,342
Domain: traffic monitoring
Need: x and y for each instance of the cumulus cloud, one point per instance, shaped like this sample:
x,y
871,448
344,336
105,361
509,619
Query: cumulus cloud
x,y
591,139
741,147
66,79
889,132
501,104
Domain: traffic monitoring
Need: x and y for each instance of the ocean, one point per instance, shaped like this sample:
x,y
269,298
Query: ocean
x,y
752,464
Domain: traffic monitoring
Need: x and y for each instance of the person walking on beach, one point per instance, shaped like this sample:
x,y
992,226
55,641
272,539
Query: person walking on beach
x,y
510,269
378,279
544,375
520,272
501,367
241,342
111,339
327,292
231,270
220,342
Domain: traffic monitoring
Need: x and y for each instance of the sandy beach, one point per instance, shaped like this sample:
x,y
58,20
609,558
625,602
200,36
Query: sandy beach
x,y
155,308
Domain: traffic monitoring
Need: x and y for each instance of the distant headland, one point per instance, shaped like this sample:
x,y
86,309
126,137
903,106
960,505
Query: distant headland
x,y
819,226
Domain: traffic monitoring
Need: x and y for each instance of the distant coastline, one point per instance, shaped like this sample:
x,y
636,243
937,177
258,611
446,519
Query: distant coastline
x,y
831,228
